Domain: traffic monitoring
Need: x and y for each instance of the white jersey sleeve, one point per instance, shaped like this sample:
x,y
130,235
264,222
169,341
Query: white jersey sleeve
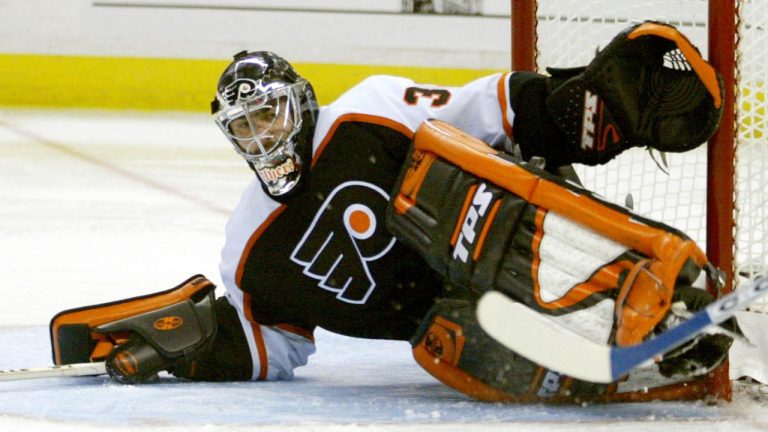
x,y
480,108
275,350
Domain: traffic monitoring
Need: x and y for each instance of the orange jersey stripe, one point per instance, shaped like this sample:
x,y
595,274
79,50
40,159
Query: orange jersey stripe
x,y
362,118
258,337
306,334
252,241
504,103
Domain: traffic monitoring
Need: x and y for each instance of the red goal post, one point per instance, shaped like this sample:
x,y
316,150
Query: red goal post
x,y
703,194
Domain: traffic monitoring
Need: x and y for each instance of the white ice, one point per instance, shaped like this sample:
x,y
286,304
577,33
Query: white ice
x,y
97,206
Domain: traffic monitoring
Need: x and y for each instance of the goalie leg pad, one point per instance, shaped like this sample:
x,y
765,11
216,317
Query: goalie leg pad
x,y
452,347
486,222
177,323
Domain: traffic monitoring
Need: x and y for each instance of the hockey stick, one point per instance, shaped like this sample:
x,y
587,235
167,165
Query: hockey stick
x,y
553,346
75,369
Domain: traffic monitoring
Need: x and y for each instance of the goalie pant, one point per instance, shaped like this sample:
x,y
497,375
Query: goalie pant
x,y
603,271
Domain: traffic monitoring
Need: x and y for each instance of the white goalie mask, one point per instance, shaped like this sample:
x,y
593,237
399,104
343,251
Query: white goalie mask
x,y
263,108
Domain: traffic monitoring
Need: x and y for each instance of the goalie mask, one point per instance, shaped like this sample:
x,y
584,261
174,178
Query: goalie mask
x,y
268,113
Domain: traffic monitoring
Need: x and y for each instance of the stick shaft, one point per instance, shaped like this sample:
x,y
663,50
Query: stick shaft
x,y
536,337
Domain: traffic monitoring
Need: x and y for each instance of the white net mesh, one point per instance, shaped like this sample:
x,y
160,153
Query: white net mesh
x,y
752,150
569,32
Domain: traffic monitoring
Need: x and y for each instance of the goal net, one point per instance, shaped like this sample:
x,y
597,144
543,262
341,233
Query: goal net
x,y
717,194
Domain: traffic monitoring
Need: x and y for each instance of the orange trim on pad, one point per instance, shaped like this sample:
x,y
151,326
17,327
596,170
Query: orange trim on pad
x,y
463,214
486,228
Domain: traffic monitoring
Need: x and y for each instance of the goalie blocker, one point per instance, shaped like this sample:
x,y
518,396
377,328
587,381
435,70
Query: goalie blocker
x,y
649,87
487,222
141,336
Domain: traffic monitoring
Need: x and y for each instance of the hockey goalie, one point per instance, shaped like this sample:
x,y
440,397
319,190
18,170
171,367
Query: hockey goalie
x,y
388,213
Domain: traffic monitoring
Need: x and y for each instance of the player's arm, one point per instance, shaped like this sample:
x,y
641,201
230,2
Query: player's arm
x,y
184,330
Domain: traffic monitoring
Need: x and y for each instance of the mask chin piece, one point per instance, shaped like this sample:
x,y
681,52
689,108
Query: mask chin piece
x,y
279,176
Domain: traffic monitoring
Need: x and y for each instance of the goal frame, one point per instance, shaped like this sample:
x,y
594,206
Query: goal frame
x,y
721,207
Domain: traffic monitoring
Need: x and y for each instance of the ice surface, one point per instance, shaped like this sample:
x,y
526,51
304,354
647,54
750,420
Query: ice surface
x,y
97,206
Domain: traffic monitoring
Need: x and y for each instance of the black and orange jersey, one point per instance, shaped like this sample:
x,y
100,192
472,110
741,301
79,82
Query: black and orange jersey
x,y
325,258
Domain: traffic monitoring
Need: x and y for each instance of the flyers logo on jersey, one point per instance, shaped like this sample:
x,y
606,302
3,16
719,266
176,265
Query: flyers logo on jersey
x,y
343,238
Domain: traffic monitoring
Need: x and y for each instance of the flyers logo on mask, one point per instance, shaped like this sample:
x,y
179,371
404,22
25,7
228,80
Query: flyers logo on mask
x,y
343,238
240,89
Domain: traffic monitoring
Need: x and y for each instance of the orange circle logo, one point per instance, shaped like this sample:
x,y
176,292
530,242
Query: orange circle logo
x,y
359,221
168,323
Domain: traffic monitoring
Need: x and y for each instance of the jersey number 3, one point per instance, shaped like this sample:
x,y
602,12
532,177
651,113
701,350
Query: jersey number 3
x,y
439,97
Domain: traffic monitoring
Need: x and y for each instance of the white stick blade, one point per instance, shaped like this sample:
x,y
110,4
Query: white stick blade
x,y
543,341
